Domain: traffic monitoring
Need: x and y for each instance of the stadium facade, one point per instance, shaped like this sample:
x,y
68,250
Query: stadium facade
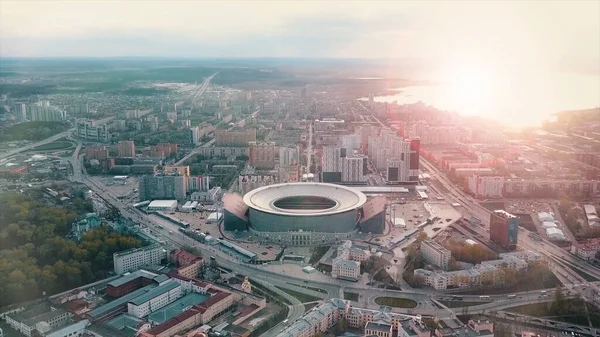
x,y
304,213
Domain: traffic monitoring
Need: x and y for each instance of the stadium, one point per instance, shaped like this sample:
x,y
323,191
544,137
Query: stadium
x,y
303,213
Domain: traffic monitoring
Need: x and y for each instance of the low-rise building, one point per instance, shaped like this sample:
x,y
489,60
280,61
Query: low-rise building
x,y
413,328
162,205
42,317
374,322
155,299
587,250
379,329
346,264
484,273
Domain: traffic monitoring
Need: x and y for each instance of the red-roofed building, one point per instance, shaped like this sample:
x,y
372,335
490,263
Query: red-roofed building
x,y
198,314
587,250
183,258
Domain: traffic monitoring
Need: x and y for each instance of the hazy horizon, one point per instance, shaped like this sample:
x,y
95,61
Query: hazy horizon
x,y
454,31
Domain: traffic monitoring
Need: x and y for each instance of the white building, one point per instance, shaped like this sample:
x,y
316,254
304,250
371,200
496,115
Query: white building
x,y
332,159
351,143
288,156
345,269
486,186
546,217
154,299
555,234
195,134
586,251
87,129
162,205
346,264
132,259
435,254
352,169
39,318
487,272
592,215
430,135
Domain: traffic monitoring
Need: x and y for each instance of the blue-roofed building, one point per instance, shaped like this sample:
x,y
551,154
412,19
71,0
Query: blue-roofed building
x,y
128,324
166,313
154,299
113,308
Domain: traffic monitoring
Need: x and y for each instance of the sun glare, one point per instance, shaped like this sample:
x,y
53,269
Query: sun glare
x,y
471,90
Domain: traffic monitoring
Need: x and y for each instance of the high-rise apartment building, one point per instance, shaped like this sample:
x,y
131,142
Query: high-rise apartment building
x,y
353,169
486,186
132,259
95,152
42,112
262,155
87,129
198,183
20,111
126,149
434,135
351,143
162,187
195,134
415,159
331,163
288,156
234,138
504,229
397,156
397,170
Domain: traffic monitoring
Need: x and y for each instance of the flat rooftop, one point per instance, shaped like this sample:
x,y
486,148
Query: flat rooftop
x,y
119,301
163,203
141,249
127,278
154,293
177,307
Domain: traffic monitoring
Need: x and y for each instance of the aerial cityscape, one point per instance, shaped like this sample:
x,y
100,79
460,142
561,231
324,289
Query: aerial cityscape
x,y
299,169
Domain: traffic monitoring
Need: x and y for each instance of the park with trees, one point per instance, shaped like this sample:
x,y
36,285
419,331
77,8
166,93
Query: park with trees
x,y
35,257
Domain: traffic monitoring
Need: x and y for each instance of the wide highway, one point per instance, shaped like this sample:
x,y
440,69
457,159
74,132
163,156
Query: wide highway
x,y
36,144
272,280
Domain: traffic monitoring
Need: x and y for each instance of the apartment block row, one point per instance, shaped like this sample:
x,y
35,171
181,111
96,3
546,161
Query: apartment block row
x,y
486,273
323,317
489,186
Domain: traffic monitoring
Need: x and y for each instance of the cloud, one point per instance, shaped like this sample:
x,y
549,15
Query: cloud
x,y
450,30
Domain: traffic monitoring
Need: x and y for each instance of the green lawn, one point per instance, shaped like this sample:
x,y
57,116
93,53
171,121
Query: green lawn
x,y
310,288
300,296
309,306
56,145
396,302
351,296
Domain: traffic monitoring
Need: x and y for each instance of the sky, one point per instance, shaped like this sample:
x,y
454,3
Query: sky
x,y
511,32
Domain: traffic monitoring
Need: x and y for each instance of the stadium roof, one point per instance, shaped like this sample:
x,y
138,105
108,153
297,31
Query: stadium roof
x,y
342,198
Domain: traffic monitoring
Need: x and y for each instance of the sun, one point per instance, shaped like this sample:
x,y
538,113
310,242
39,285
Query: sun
x,y
471,90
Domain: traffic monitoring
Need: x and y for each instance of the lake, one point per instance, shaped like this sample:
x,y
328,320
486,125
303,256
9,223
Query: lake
x,y
517,101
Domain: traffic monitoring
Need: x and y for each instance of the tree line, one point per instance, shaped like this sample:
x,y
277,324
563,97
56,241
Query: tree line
x,y
35,258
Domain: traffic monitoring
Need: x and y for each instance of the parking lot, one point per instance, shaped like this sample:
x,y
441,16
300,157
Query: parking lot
x,y
120,188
